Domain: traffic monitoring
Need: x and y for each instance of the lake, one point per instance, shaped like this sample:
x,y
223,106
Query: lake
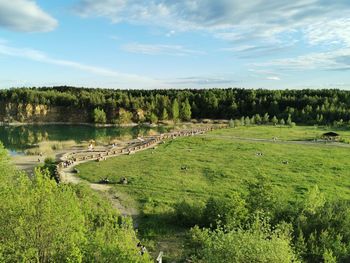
x,y
19,138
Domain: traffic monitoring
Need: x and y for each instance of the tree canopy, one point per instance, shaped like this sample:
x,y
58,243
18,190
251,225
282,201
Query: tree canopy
x,y
306,106
42,221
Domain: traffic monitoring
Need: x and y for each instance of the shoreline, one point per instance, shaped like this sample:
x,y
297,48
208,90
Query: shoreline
x,y
106,125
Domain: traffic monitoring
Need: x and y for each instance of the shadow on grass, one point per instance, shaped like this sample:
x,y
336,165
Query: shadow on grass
x,y
160,232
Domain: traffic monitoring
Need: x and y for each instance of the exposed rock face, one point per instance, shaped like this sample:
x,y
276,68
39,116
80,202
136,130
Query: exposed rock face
x,y
19,112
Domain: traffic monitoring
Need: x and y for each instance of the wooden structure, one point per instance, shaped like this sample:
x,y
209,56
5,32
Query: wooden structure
x,y
160,257
147,142
331,136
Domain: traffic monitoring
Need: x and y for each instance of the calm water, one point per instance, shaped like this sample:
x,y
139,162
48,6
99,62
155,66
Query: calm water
x,y
19,138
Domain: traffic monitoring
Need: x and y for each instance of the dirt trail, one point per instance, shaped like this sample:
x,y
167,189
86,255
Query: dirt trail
x,y
309,143
69,176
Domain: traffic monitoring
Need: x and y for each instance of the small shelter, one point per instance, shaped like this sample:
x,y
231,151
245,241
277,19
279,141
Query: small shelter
x,y
331,136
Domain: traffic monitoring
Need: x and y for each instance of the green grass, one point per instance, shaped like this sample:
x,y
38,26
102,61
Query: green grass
x,y
282,132
217,164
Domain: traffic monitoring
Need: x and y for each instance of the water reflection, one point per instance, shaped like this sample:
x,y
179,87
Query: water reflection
x,y
20,138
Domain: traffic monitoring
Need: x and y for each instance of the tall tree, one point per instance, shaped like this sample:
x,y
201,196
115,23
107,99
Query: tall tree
x,y
185,112
175,110
165,115
99,116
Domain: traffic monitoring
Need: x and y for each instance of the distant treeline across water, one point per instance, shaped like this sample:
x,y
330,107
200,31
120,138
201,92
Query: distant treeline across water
x,y
125,106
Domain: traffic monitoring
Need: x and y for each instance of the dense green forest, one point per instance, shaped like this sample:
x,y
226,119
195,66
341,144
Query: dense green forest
x,y
125,106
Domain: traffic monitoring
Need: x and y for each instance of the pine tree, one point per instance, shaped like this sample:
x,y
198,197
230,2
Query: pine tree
x,y
185,110
165,115
258,119
266,118
175,110
274,120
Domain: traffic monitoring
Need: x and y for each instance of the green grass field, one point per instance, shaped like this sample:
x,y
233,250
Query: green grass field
x,y
218,163
305,133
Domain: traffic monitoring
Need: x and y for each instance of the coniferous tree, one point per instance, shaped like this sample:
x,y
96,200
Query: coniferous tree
x,y
185,112
165,115
274,120
175,110
266,118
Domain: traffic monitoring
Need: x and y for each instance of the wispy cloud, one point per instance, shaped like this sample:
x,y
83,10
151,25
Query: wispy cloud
x,y
25,16
329,32
227,19
201,81
42,57
273,78
253,51
159,49
338,60
256,28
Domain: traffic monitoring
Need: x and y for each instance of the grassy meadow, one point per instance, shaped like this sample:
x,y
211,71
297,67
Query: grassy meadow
x,y
218,163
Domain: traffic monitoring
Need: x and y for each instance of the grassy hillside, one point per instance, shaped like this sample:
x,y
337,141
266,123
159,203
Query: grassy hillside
x,y
219,163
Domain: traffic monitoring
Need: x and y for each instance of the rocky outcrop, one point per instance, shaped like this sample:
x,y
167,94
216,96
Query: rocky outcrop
x,y
30,113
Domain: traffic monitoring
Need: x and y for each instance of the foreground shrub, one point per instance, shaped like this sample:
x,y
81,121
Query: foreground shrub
x,y
257,244
42,221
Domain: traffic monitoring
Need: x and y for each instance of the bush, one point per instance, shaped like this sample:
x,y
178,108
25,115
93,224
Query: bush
x,y
259,243
229,212
99,116
41,221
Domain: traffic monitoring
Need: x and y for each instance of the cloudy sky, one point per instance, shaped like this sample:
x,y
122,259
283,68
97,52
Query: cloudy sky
x,y
175,44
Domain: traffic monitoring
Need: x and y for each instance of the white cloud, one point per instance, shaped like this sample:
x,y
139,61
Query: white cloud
x,y
338,60
254,28
267,49
329,32
25,16
273,78
228,19
158,49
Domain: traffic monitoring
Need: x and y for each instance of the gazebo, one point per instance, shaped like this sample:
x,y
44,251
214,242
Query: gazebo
x,y
331,136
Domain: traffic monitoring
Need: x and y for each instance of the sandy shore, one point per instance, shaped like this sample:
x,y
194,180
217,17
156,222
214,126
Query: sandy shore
x,y
28,163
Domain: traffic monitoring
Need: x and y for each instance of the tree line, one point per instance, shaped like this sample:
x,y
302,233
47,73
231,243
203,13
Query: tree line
x,y
307,106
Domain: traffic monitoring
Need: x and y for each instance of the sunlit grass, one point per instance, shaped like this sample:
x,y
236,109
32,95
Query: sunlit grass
x,y
216,164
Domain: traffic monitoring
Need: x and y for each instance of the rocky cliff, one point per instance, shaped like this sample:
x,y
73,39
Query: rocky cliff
x,y
29,113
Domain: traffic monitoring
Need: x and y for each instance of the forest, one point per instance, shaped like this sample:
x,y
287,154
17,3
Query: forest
x,y
323,107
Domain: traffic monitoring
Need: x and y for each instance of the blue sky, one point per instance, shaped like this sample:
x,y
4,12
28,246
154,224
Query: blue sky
x,y
175,44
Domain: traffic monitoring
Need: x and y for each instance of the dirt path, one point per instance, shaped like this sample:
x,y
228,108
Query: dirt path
x,y
69,176
308,143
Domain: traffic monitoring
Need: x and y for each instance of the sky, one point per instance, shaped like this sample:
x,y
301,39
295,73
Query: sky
x,y
134,44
